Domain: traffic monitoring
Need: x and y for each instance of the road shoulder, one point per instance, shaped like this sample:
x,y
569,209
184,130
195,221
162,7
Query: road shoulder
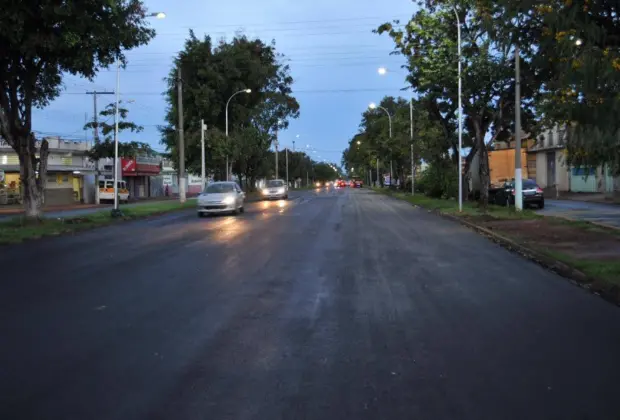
x,y
582,252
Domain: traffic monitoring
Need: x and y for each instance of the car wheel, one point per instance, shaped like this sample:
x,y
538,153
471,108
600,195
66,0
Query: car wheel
x,y
241,209
200,215
541,205
286,197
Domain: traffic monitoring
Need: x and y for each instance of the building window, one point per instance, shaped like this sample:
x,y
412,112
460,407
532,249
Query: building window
x,y
9,160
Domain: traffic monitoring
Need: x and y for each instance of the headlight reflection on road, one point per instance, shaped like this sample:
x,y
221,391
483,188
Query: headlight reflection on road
x,y
230,229
281,203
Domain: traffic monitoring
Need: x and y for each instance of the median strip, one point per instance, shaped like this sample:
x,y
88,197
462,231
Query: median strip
x,y
581,251
19,229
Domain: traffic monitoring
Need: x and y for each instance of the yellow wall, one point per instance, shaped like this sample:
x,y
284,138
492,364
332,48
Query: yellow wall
x,y
502,165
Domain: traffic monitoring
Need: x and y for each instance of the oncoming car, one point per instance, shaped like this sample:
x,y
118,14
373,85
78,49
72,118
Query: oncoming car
x,y
221,197
275,189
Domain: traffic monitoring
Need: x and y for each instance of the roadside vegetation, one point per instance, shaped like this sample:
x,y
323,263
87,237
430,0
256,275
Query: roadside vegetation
x,y
20,229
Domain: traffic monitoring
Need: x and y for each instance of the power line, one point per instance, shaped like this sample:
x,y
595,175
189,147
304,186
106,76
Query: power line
x,y
349,19
294,91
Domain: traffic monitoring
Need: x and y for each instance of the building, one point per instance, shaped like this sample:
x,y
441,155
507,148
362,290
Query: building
x,y
553,174
68,167
143,175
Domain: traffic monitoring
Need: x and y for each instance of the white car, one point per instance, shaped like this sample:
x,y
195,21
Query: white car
x,y
221,197
275,188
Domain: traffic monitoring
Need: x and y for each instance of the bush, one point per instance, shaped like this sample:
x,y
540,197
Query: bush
x,y
438,180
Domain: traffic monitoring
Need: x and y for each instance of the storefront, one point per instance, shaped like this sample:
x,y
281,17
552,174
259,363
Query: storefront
x,y
137,172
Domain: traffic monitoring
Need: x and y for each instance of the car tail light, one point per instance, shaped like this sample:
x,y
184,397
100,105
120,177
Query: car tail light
x,y
512,192
539,190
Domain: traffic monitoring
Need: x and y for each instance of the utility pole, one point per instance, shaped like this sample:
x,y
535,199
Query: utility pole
x,y
411,134
518,181
307,179
460,65
276,144
181,145
203,128
412,170
378,183
286,160
96,136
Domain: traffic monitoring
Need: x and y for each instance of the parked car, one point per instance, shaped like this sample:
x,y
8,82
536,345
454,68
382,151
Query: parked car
x,y
106,191
532,194
275,189
221,197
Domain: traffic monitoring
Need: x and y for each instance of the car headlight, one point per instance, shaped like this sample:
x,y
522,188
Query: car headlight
x,y
228,200
265,191
318,184
281,190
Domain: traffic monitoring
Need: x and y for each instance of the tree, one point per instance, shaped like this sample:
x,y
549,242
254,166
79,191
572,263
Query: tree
x,y
211,75
429,43
575,47
105,149
39,42
430,144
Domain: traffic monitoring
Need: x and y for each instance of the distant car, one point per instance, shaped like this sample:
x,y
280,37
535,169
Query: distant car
x,y
221,197
356,183
275,189
532,194
341,183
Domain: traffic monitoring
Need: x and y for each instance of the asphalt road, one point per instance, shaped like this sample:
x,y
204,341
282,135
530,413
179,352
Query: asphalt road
x,y
333,305
608,214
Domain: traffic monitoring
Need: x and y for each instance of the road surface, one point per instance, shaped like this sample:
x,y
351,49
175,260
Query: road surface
x,y
334,305
608,214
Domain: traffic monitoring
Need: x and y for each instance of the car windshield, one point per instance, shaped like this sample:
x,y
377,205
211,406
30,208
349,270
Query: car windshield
x,y
219,188
275,183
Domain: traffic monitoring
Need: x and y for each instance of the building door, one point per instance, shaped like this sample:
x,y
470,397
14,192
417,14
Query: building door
x,y
550,169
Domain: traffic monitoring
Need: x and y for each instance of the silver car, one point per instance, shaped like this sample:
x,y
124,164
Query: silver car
x,y
221,197
275,189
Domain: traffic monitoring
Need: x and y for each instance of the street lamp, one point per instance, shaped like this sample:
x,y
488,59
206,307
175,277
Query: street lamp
x,y
227,103
383,71
375,106
115,210
359,142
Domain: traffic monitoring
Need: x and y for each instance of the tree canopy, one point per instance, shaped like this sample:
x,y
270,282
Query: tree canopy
x,y
211,74
105,149
37,47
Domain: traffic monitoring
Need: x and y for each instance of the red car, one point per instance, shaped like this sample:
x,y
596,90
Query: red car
x,y
356,183
341,184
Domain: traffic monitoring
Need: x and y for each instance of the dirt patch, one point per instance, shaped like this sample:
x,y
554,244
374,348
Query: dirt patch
x,y
592,244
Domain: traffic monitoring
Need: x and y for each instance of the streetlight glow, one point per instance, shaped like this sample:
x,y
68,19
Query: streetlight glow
x,y
158,15
382,71
578,42
372,105
359,142
248,91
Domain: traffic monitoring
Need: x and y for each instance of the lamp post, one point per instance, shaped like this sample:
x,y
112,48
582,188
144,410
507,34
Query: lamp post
x,y
375,106
115,210
458,23
383,71
227,103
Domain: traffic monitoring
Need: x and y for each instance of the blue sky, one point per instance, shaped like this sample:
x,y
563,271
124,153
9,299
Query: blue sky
x,y
334,60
